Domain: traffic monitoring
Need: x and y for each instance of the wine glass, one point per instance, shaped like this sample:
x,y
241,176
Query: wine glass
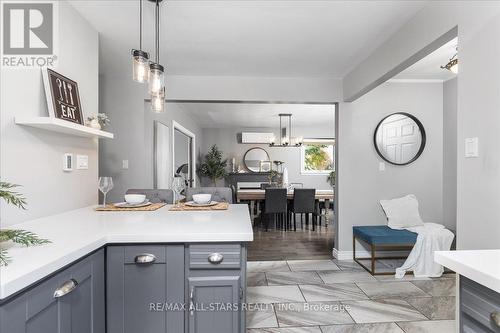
x,y
105,185
177,187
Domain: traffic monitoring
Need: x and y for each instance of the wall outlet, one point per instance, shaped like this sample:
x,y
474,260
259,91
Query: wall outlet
x,y
82,162
471,147
67,162
381,166
125,164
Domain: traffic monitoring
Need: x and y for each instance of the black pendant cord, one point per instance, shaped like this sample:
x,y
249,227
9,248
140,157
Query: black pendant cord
x,y
140,25
157,32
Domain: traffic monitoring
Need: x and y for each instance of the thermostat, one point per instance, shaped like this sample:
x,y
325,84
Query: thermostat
x,y
68,162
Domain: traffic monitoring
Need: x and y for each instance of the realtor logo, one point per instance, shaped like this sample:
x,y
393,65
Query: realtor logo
x,y
28,34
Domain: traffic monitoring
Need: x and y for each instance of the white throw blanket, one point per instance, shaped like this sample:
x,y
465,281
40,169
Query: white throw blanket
x,y
431,237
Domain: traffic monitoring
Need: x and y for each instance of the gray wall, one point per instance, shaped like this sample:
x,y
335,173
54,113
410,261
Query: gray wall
x,y
229,141
132,122
362,184
450,153
478,25
33,157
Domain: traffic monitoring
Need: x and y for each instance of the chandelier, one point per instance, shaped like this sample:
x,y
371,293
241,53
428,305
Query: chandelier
x,y
285,133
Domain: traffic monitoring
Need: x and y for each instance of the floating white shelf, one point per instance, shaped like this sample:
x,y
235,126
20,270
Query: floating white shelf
x,y
63,126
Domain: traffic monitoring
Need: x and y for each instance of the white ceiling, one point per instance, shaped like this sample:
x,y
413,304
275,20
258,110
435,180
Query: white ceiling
x,y
429,67
248,38
252,115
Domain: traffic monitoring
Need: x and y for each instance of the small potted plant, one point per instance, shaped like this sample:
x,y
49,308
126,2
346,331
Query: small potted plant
x,y
331,178
23,237
98,121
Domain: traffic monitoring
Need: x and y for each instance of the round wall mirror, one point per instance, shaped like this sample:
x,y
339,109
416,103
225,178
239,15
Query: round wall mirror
x,y
399,138
257,160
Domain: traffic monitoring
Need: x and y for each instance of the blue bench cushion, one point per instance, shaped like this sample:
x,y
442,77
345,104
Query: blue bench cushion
x,y
382,234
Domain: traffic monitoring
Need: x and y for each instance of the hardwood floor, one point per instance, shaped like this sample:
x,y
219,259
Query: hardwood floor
x,y
286,245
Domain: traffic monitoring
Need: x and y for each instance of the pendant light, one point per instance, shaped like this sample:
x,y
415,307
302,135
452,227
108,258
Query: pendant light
x,y
452,65
140,58
285,132
158,102
156,71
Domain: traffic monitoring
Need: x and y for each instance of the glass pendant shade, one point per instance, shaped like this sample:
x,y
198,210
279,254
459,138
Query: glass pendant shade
x,y
140,61
158,102
156,79
454,68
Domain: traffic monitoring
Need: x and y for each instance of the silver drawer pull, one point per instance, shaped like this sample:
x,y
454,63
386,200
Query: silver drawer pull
x,y
495,316
145,258
65,288
215,258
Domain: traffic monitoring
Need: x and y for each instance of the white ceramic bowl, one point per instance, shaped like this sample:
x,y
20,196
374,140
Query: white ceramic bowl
x,y
202,198
134,199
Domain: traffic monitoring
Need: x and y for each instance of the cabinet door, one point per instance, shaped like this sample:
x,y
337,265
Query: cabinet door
x,y
214,304
80,309
87,300
139,292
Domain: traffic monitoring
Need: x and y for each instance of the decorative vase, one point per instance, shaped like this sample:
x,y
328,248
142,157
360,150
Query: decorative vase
x,y
285,177
94,123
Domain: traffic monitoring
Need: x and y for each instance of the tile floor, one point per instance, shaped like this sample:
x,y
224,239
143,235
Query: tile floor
x,y
330,296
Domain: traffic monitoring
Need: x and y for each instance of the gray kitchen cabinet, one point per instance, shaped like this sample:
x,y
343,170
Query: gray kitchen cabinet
x,y
479,308
70,301
216,288
144,285
213,304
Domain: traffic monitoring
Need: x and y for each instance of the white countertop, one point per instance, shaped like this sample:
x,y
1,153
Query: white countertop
x,y
481,266
76,233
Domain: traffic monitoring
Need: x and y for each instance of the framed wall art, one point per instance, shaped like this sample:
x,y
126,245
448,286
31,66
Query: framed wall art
x,y
63,98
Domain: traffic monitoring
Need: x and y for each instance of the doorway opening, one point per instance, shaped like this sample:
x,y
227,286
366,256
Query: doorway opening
x,y
260,152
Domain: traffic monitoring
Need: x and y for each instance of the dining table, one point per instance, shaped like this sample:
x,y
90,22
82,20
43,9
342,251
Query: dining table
x,y
254,195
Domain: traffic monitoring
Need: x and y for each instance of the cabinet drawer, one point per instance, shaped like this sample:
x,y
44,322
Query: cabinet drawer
x,y
131,253
478,303
200,256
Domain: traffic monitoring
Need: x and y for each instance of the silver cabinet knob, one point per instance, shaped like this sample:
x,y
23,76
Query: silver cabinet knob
x,y
65,288
215,258
145,258
495,316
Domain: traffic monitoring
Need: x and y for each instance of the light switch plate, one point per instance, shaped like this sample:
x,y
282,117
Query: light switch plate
x,y
125,164
67,162
381,166
471,147
82,162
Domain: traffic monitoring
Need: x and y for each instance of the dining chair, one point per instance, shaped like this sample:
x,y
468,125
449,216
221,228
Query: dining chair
x,y
154,195
304,202
221,194
322,205
275,205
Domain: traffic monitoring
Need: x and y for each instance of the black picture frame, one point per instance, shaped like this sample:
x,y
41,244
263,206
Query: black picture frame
x,y
422,133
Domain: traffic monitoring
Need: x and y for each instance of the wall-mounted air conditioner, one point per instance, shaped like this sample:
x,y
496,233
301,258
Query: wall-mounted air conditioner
x,y
251,137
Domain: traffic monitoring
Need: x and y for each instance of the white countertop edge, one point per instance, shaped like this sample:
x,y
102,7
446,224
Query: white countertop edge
x,y
38,274
490,281
44,271
193,238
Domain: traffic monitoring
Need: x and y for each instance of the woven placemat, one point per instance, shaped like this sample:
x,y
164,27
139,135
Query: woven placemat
x,y
183,207
112,208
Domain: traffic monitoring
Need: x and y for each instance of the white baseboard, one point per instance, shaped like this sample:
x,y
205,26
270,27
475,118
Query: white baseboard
x,y
361,253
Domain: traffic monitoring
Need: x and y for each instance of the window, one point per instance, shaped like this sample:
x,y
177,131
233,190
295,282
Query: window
x,y
317,156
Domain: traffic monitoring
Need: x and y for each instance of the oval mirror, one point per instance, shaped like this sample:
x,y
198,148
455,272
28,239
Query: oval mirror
x,y
399,138
257,160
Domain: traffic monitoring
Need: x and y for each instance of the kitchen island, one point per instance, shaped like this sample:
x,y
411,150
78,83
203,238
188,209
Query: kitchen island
x,y
478,288
141,257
